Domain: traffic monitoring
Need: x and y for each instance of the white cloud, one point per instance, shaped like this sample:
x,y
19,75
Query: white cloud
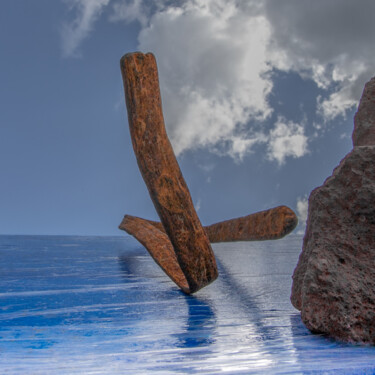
x,y
241,146
286,139
345,136
134,10
215,60
336,104
77,30
328,41
212,78
302,211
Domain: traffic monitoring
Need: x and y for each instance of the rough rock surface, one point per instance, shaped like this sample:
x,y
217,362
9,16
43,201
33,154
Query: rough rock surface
x,y
161,172
364,119
334,281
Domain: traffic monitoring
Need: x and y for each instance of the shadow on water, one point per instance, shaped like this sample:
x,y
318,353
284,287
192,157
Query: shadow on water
x,y
277,333
334,357
201,319
298,328
243,297
129,266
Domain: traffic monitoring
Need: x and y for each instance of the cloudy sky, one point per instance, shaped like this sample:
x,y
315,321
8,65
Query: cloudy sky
x,y
258,99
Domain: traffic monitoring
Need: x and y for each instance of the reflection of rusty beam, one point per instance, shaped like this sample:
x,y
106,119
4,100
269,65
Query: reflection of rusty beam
x,y
270,224
161,171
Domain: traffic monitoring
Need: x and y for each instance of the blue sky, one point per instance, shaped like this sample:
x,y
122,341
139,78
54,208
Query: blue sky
x,y
258,98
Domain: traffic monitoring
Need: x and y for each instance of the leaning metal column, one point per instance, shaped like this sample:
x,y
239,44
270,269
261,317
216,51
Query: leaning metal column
x,y
161,172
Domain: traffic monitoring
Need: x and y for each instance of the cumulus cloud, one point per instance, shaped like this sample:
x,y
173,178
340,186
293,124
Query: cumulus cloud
x,y
79,28
213,79
286,139
216,60
328,41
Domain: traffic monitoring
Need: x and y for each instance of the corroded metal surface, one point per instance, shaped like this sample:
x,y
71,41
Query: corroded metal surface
x,y
271,224
158,245
161,172
266,225
179,243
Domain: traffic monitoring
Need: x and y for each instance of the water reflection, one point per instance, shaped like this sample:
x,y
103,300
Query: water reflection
x,y
200,324
103,306
242,323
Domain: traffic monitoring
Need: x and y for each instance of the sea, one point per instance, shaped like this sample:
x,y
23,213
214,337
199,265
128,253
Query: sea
x,y
101,305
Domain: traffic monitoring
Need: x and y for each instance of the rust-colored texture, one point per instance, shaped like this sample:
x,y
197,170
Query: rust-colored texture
x,y
158,245
271,224
266,225
161,172
179,244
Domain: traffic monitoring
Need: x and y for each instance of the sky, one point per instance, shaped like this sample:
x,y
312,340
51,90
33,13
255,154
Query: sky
x,y
258,99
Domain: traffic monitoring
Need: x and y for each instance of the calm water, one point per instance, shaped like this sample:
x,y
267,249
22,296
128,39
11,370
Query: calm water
x,y
100,305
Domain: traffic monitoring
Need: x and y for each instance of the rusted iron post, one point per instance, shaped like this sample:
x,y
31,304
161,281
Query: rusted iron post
x,y
271,224
161,172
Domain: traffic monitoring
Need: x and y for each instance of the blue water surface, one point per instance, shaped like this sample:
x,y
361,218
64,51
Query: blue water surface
x,y
100,305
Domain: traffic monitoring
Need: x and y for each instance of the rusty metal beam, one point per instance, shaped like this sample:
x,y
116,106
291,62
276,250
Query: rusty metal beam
x,y
161,172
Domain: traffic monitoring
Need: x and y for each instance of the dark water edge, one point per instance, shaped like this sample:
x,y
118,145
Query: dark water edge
x,y
100,305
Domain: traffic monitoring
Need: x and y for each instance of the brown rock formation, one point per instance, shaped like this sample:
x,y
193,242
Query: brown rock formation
x,y
364,119
270,224
161,171
334,281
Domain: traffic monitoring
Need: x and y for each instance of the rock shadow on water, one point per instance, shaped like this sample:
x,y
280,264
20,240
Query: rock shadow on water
x,y
322,354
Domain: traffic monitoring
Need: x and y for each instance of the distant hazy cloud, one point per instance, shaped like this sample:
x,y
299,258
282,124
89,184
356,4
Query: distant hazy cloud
x,y
302,210
74,32
216,60
129,11
197,205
